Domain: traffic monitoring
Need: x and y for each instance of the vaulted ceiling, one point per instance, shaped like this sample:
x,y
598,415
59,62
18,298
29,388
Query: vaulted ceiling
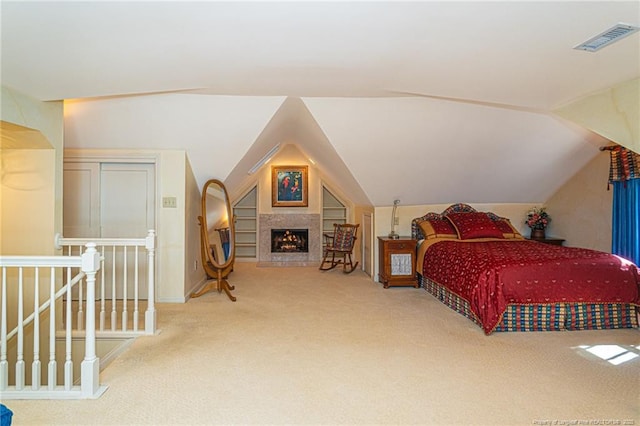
x,y
430,102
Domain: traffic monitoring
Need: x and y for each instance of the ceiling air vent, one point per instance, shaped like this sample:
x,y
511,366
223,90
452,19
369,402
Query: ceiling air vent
x,y
611,35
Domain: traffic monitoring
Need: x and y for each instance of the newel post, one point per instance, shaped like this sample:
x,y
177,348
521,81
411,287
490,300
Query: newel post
x,y
150,314
90,368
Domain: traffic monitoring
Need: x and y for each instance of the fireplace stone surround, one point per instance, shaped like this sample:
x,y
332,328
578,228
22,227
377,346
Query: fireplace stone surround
x,y
267,222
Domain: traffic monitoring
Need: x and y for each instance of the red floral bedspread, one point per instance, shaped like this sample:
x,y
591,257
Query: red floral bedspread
x,y
491,274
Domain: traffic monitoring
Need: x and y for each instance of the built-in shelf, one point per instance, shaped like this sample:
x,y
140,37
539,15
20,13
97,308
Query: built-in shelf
x,y
333,211
246,224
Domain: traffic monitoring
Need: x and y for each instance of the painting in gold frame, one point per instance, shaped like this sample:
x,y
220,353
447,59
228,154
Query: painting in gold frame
x,y
289,186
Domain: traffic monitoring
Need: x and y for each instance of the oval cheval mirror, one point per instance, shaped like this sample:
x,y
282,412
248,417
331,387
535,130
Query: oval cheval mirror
x,y
217,236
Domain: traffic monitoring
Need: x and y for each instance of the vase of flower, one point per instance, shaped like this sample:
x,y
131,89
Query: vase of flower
x,y
537,220
537,234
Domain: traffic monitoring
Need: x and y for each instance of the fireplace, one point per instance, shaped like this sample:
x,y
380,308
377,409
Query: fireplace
x,y
289,240
293,221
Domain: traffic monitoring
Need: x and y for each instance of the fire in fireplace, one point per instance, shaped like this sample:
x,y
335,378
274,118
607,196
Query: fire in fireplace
x,y
289,241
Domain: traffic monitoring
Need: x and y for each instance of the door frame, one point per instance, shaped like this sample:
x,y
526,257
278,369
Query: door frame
x,y
367,241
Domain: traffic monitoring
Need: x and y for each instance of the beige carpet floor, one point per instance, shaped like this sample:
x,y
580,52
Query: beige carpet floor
x,y
302,346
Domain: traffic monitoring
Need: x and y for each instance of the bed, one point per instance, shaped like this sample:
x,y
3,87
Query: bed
x,y
479,265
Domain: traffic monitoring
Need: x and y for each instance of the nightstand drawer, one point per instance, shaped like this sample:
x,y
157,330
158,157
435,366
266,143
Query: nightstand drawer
x,y
401,245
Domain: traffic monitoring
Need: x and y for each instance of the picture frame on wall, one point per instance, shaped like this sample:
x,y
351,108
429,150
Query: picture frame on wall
x,y
289,186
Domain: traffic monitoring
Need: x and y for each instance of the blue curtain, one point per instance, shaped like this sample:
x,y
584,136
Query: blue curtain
x,y
626,219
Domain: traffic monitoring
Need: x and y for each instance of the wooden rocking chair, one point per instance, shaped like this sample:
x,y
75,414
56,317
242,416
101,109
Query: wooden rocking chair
x,y
339,248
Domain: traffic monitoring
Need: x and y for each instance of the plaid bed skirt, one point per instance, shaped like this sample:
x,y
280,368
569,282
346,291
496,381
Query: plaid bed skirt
x,y
548,317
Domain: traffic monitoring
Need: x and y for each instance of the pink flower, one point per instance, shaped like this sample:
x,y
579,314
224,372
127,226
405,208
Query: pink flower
x,y
537,218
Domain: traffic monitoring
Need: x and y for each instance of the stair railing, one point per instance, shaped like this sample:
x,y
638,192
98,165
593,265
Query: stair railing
x,y
119,283
21,282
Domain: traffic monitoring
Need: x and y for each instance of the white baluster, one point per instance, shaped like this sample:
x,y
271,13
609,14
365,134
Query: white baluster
x,y
103,312
68,365
80,299
36,368
124,292
52,368
114,318
135,291
20,348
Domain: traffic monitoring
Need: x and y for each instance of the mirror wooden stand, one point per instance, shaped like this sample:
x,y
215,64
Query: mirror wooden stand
x,y
217,238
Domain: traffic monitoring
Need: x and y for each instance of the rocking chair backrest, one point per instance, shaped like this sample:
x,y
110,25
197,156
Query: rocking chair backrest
x,y
339,248
345,236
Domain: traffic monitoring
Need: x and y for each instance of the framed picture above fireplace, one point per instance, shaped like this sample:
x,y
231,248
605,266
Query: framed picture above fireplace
x,y
289,186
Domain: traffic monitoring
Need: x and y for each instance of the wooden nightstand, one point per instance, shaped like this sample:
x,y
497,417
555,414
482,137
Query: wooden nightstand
x,y
397,262
549,240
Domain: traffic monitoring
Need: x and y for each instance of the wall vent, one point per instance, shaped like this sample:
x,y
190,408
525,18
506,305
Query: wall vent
x,y
613,34
264,160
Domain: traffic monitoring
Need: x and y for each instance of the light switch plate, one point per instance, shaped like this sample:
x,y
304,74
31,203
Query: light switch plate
x,y
169,202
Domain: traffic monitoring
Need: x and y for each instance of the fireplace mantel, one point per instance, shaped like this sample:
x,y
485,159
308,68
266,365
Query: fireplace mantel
x,y
282,221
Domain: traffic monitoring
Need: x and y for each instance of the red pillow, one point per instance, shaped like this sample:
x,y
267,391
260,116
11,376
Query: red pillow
x,y
508,231
474,225
437,228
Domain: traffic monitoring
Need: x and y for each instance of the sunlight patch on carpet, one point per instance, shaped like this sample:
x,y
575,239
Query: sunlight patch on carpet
x,y
613,354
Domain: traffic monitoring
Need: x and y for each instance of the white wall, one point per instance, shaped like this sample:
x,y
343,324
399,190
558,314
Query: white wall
x,y
215,131
194,275
171,227
446,150
27,197
582,208
431,151
613,113
44,170
289,155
